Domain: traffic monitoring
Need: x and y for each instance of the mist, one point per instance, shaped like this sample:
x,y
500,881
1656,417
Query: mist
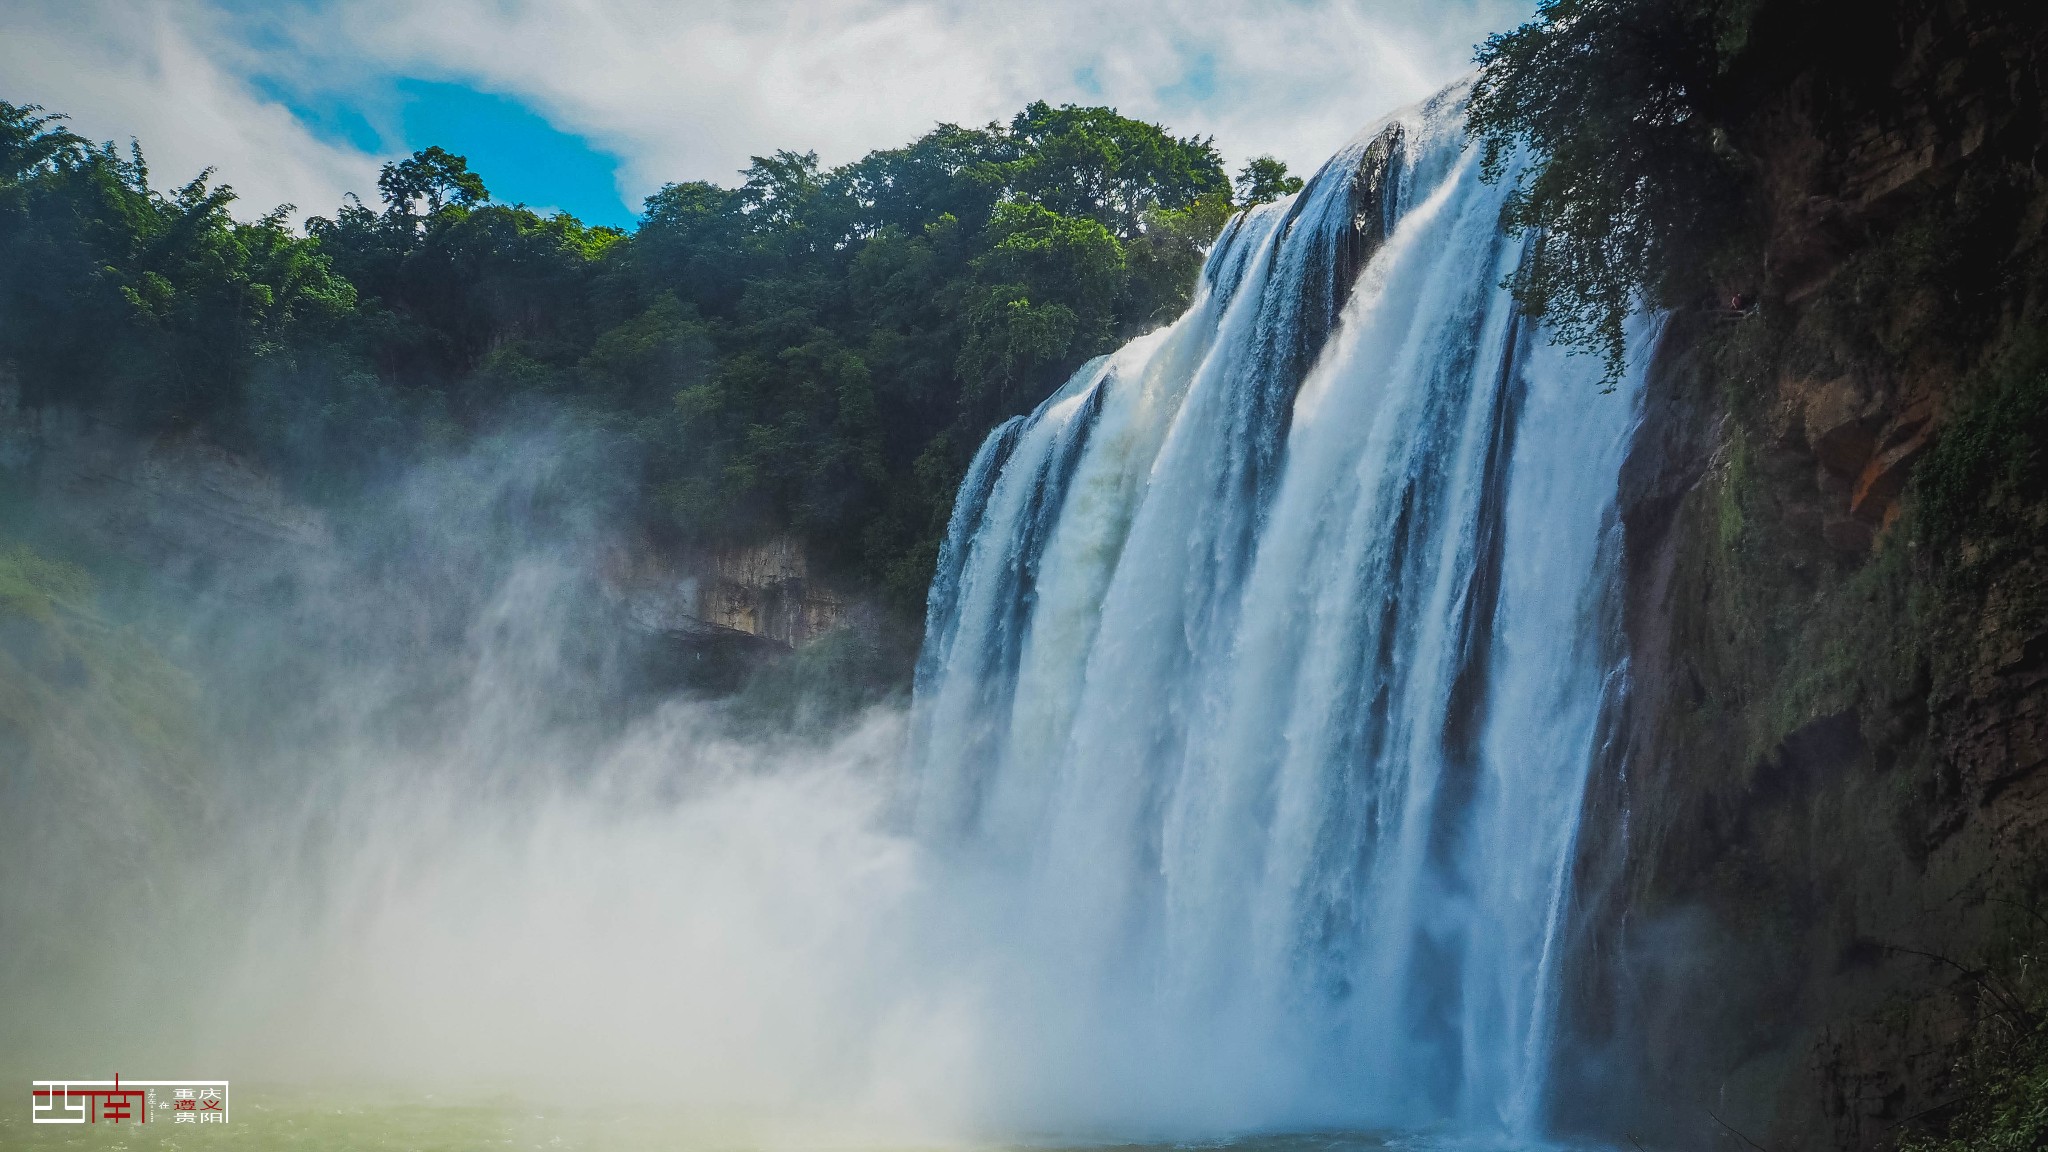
x,y
442,824
438,829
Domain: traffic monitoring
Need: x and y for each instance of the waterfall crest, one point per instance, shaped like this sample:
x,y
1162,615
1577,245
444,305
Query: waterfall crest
x,y
1264,667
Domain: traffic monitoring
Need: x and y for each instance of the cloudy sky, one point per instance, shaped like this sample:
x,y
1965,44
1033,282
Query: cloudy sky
x,y
589,105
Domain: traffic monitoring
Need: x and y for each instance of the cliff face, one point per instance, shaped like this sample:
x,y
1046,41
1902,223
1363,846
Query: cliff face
x,y
179,505
764,590
1828,821
206,521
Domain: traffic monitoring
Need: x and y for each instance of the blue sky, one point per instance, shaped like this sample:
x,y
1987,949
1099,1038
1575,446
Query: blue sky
x,y
589,105
521,156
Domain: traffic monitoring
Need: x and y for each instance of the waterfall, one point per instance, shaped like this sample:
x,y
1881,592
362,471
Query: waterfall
x,y
1265,663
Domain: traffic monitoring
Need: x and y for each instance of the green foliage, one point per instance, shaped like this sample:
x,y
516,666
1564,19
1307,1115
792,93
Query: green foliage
x,y
1629,181
868,323
1265,180
1991,462
2010,1112
81,697
33,587
151,306
2001,1098
816,349
1093,162
1045,293
646,360
100,741
434,175
1164,262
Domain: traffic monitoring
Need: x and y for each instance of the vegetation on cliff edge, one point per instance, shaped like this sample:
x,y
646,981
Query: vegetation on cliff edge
x,y
815,350
1632,183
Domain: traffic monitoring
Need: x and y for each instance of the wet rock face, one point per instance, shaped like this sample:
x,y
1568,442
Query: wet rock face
x,y
1831,775
1875,123
766,589
1859,443
1875,107
1372,207
1831,782
1996,718
763,591
717,615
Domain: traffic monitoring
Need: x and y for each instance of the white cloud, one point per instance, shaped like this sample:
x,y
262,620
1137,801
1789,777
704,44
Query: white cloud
x,y
690,90
170,75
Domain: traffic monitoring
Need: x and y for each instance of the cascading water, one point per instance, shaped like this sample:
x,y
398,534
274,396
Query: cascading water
x,y
1264,666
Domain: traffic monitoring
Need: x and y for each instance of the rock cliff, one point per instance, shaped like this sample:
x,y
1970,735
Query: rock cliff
x,y
1826,824
208,521
764,590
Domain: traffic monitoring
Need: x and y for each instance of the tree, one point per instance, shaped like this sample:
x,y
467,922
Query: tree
x,y
150,307
1093,162
1045,297
1602,114
31,142
1265,180
816,349
434,174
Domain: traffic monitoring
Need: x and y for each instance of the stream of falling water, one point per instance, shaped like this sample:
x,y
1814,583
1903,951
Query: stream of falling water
x,y
1265,664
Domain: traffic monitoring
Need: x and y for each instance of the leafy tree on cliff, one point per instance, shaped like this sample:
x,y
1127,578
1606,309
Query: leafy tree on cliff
x,y
152,306
873,320
434,175
814,349
1264,180
1627,178
1092,162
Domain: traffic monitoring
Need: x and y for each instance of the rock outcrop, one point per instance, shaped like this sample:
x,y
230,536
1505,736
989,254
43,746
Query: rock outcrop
x,y
763,590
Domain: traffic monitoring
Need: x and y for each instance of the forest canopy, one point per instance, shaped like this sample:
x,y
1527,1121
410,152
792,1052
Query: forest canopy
x,y
815,350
